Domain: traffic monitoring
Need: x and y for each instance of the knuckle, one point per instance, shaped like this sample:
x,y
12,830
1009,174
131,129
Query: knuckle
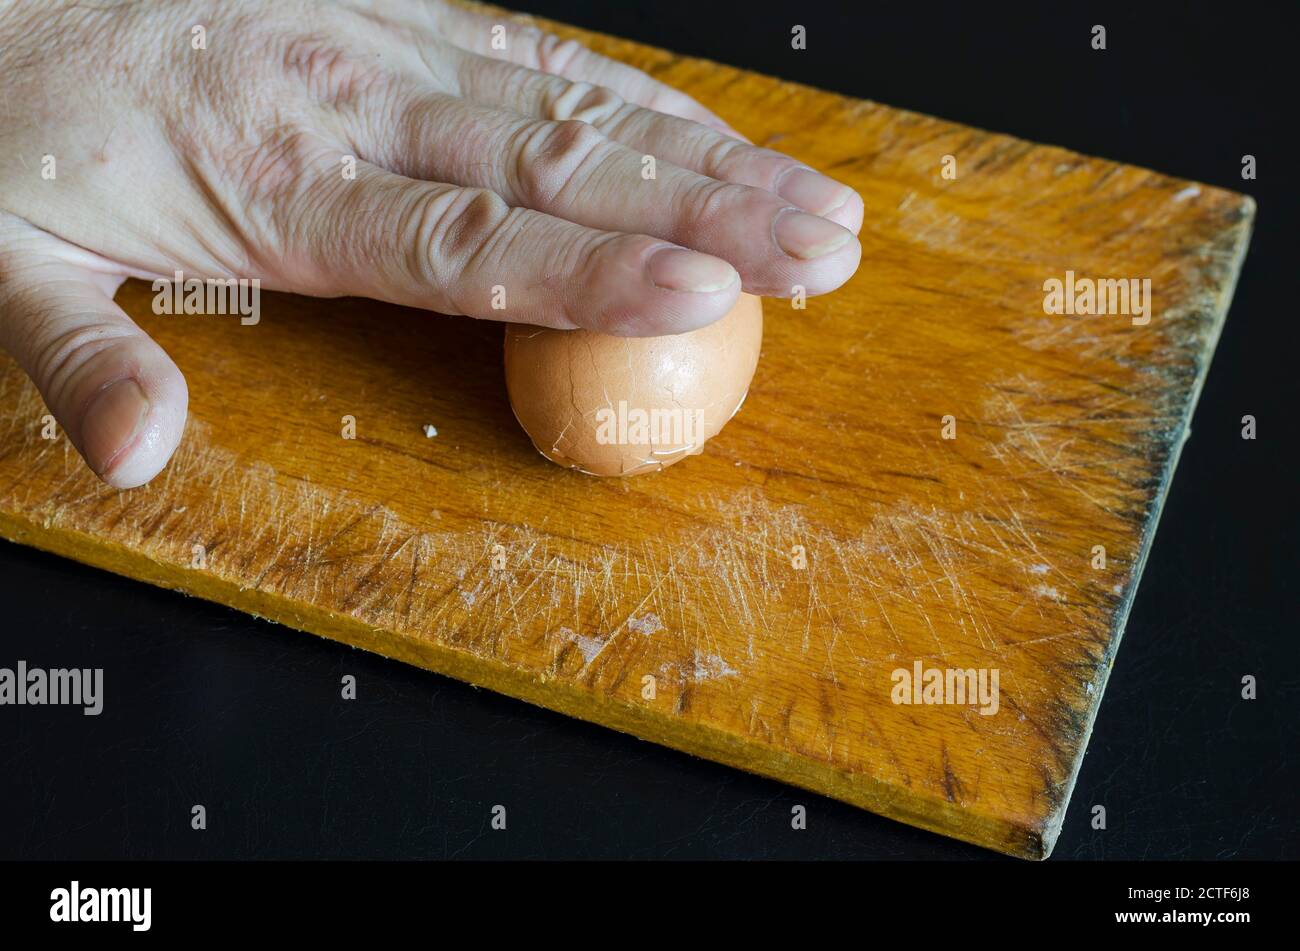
x,y
331,72
719,158
669,101
707,205
61,355
581,101
273,166
457,227
549,157
555,55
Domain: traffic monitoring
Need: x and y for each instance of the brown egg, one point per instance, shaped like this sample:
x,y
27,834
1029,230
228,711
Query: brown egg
x,y
613,406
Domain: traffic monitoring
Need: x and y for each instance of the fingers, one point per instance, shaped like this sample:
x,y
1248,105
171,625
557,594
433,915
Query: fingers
x,y
669,138
465,251
538,50
570,170
117,395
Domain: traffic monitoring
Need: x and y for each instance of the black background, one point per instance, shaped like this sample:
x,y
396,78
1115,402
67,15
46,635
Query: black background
x,y
205,705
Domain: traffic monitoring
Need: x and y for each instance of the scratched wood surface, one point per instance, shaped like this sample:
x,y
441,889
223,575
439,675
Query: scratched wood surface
x,y
974,552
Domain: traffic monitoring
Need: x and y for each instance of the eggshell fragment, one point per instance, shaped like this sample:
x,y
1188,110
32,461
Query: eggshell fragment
x,y
617,406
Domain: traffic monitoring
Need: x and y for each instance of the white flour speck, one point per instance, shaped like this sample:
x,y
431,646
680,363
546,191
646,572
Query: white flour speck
x,y
645,625
589,647
711,667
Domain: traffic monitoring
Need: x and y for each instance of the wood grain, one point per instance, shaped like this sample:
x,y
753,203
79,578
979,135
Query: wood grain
x,y
974,552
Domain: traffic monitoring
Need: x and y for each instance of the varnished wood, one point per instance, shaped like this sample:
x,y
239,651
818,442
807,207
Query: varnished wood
x,y
974,552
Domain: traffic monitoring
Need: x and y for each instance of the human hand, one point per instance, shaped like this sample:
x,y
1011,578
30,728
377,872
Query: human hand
x,y
474,168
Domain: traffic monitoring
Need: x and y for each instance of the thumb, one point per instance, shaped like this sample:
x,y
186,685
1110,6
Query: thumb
x,y
115,392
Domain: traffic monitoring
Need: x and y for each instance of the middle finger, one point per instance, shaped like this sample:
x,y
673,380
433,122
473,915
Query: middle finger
x,y
687,144
571,170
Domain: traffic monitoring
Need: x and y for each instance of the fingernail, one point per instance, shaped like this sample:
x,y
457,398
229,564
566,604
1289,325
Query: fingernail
x,y
113,419
812,191
676,269
807,236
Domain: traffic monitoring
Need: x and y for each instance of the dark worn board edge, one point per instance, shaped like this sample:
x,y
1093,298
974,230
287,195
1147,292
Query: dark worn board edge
x,y
1239,236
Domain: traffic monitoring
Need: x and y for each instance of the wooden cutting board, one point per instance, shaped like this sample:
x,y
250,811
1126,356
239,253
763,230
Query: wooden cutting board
x,y
469,554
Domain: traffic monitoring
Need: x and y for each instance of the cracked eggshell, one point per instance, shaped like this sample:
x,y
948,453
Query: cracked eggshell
x,y
566,387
